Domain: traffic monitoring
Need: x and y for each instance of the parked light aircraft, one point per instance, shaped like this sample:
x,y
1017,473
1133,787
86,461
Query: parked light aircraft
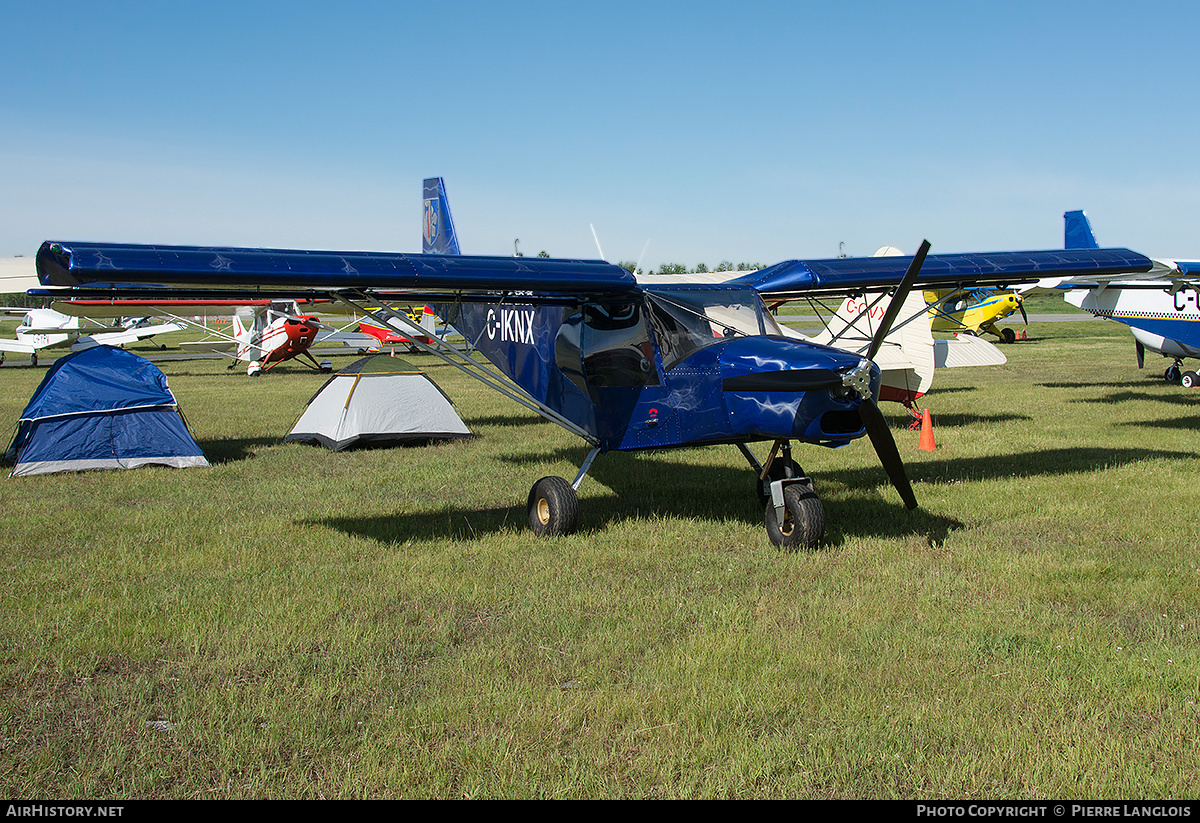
x,y
1161,310
623,365
906,358
42,329
263,333
974,311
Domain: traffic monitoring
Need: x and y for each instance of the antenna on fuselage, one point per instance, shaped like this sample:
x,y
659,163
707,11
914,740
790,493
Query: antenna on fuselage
x,y
597,239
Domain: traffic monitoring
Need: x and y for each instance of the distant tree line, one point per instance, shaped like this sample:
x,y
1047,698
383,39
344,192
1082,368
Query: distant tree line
x,y
700,268
21,300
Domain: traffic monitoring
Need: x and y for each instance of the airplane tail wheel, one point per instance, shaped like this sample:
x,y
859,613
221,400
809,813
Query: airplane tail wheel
x,y
553,507
803,523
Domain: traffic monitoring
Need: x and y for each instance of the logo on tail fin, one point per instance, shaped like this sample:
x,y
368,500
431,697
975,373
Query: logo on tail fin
x,y
431,220
437,226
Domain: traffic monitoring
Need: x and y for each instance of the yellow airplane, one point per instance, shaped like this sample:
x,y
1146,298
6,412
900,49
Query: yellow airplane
x,y
973,311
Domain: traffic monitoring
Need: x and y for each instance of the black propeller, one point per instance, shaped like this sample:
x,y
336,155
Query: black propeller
x,y
872,418
1021,306
815,379
1141,353
885,446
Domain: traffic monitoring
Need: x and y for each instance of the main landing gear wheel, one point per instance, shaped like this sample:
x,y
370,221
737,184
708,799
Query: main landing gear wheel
x,y
1173,373
553,507
1189,379
803,523
1008,335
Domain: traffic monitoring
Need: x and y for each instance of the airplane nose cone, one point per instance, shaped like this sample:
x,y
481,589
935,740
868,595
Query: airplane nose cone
x,y
788,389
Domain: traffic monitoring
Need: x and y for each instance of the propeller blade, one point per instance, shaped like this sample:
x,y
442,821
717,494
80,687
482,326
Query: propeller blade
x,y
1141,353
885,446
1021,306
902,290
790,380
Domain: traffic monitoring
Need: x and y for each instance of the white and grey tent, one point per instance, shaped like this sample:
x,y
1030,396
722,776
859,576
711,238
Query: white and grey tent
x,y
378,401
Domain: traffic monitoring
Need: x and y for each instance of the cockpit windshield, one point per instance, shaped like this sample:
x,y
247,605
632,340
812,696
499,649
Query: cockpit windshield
x,y
686,321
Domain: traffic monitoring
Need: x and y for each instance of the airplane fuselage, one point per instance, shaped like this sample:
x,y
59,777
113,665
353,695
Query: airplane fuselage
x,y
1161,320
280,339
674,368
976,310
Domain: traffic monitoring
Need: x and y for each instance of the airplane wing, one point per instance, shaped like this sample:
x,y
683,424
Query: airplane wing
x,y
17,347
1078,234
17,274
265,273
172,308
186,272
119,338
800,278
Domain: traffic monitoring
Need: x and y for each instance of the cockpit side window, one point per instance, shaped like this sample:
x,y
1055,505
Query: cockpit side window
x,y
685,322
606,345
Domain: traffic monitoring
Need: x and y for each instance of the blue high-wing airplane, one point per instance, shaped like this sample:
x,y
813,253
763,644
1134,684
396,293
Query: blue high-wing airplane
x,y
1162,309
623,365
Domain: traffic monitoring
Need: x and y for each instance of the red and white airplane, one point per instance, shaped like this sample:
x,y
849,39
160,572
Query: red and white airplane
x,y
263,334
385,335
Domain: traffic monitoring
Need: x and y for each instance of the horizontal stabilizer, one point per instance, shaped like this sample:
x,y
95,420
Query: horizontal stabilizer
x,y
966,350
208,345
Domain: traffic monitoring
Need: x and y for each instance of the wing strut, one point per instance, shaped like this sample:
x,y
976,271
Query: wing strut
x,y
404,324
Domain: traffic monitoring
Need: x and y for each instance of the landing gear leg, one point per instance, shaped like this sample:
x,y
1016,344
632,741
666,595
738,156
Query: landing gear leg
x,y
918,418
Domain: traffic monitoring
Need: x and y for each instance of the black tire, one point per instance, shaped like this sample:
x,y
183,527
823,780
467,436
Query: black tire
x,y
1008,335
1172,375
1189,380
804,519
553,507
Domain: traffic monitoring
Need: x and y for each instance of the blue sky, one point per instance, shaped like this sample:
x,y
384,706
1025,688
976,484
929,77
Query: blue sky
x,y
685,132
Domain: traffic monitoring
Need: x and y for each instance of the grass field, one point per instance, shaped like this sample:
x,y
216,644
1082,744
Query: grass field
x,y
297,623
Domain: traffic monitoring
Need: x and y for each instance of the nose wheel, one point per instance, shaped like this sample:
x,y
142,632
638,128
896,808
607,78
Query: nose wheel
x,y
794,514
802,524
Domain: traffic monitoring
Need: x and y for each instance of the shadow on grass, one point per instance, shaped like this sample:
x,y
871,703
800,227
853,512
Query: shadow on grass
x,y
231,451
1183,423
651,487
1048,462
959,420
858,502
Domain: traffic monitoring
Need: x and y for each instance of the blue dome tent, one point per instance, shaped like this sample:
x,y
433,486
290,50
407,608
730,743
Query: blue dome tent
x,y
101,408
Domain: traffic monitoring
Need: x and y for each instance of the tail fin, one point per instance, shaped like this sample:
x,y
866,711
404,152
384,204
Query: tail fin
x,y
437,234
1077,232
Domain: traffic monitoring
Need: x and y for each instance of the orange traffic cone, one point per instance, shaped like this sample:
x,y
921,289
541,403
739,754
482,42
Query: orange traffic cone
x,y
926,443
